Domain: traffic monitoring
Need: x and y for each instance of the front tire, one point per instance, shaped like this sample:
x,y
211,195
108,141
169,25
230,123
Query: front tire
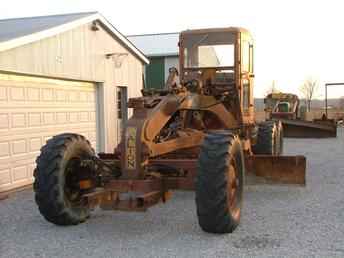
x,y
57,192
269,138
219,183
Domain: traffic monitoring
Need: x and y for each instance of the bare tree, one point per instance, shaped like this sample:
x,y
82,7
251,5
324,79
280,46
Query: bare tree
x,y
309,90
272,88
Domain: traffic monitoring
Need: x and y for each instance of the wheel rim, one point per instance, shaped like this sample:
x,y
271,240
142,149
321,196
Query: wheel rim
x,y
276,142
281,140
71,187
233,184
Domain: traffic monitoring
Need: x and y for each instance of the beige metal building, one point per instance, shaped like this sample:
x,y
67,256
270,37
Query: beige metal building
x,y
62,73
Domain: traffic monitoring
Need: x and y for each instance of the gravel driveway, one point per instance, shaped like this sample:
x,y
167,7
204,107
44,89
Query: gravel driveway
x,y
277,221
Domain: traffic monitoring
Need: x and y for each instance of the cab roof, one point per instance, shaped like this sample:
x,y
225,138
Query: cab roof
x,y
281,95
209,30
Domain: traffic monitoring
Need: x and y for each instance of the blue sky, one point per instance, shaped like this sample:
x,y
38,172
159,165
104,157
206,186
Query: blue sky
x,y
294,39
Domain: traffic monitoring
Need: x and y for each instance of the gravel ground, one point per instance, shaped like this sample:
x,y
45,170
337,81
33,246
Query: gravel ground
x,y
277,221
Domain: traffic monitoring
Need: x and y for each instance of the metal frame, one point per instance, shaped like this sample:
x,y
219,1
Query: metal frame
x,y
330,84
151,167
140,194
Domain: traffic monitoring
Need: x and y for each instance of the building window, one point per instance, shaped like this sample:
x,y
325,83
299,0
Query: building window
x,y
121,102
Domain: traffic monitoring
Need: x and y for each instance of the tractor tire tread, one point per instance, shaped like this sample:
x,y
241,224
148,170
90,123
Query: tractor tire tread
x,y
211,184
48,195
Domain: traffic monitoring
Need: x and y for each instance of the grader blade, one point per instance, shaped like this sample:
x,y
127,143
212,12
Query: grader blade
x,y
279,169
308,129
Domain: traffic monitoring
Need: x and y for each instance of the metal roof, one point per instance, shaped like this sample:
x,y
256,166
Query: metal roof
x,y
19,27
19,31
164,44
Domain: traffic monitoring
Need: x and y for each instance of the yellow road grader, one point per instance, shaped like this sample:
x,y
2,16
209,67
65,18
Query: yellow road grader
x,y
198,133
285,107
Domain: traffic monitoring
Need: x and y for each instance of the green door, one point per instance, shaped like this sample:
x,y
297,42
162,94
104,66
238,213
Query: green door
x,y
155,73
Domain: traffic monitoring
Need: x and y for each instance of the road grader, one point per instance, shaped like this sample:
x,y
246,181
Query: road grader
x,y
285,107
198,133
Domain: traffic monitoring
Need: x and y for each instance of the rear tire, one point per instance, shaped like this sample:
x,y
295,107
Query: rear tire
x,y
56,179
219,183
269,138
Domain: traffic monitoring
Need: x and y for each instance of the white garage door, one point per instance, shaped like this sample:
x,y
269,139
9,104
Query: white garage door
x,y
32,110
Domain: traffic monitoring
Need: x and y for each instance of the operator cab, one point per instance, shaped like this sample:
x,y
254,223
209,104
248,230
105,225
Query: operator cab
x,y
282,107
211,55
219,62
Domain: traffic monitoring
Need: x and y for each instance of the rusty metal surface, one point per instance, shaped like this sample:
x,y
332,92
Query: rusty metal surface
x,y
282,115
293,126
278,169
140,203
112,198
122,205
174,120
146,192
273,169
189,164
149,199
138,185
180,183
273,100
307,129
185,182
191,139
325,121
177,117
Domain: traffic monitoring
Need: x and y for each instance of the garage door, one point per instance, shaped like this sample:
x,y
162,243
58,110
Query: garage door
x,y
32,110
